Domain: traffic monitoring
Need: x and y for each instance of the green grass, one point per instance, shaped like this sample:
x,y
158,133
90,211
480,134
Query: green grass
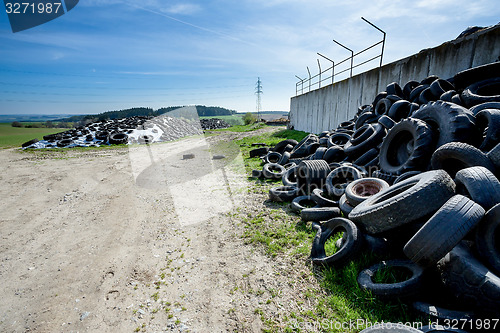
x,y
337,296
16,136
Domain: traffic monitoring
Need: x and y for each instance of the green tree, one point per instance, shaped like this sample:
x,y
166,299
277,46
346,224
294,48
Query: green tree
x,y
16,124
249,118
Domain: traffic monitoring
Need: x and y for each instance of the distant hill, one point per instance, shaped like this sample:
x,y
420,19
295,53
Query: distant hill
x,y
8,118
202,110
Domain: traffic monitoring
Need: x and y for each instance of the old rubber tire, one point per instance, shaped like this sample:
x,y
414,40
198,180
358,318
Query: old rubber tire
x,y
488,238
289,177
361,189
451,121
317,214
483,106
338,139
494,156
480,185
441,314
403,289
469,76
280,146
406,175
482,92
283,193
322,199
257,152
300,202
29,143
404,202
350,246
118,139
311,174
470,281
301,149
341,175
488,122
273,171
345,206
455,156
443,231
408,146
377,133
273,157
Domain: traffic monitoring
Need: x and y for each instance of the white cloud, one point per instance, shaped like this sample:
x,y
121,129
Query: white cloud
x,y
182,8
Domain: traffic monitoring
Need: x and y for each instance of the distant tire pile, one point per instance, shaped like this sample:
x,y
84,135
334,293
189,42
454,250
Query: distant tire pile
x,y
213,123
413,177
140,130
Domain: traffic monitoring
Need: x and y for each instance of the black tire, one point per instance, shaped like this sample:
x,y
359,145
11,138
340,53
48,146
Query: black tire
x,y
494,156
387,122
399,110
289,178
345,206
408,146
367,157
451,121
488,237
311,175
257,152
394,89
273,157
365,118
443,231
273,171
482,92
407,288
283,193
447,96
118,138
382,106
390,327
408,87
442,314
377,133
300,150
320,152
300,202
102,135
480,107
256,173
406,175
284,158
428,80
440,86
29,143
480,185
415,93
317,214
426,96
469,76
334,154
455,156
379,245
405,202
361,189
488,122
322,199
341,175
350,247
388,177
338,139
470,282
64,142
280,146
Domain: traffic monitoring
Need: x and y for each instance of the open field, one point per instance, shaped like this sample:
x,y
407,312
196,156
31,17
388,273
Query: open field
x,y
231,120
16,136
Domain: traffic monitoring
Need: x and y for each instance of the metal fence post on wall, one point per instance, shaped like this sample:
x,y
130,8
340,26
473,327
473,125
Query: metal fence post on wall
x,y
319,82
383,40
352,53
309,77
333,64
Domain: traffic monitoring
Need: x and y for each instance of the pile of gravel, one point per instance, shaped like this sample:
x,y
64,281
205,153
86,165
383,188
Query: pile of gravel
x,y
214,123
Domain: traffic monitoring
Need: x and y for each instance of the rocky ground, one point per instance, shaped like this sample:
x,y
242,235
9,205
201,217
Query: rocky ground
x,y
137,239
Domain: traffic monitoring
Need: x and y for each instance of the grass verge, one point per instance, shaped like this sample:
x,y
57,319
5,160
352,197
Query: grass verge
x,y
16,136
337,297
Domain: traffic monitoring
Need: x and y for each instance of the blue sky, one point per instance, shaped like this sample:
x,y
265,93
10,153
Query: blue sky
x,y
116,54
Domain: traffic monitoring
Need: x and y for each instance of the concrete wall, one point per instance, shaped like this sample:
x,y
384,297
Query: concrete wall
x,y
325,108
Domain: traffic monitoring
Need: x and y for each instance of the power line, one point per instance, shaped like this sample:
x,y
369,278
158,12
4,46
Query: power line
x,y
258,92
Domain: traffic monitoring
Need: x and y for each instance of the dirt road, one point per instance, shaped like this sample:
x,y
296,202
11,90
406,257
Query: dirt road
x,y
136,239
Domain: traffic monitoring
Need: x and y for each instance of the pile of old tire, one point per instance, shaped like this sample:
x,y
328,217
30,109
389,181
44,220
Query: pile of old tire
x,y
213,123
138,129
412,178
